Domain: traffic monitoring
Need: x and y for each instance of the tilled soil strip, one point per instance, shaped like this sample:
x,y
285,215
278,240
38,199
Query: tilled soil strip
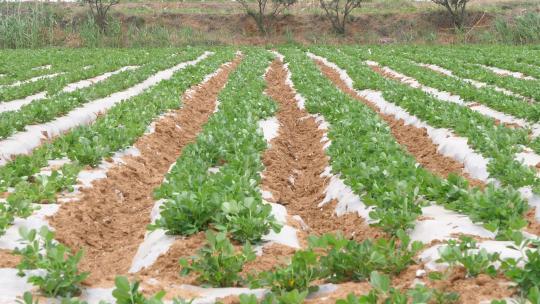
x,y
294,164
415,140
109,221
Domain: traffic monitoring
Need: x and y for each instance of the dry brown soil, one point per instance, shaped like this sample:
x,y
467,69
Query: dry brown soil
x,y
110,219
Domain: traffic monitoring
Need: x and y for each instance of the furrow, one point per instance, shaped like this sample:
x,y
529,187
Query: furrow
x,y
296,163
109,220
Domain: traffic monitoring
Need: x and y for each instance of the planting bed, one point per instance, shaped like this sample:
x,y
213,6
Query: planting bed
x,y
316,175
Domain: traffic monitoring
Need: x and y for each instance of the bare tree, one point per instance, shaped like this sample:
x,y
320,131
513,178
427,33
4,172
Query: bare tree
x,y
456,8
99,9
338,11
264,10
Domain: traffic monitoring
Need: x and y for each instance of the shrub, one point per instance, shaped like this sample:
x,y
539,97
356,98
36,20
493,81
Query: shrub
x,y
456,9
263,12
338,12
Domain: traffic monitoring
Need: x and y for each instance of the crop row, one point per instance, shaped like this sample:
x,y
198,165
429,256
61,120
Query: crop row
x,y
497,143
75,69
523,60
377,167
24,64
449,60
89,145
496,100
227,198
488,96
71,65
45,110
215,184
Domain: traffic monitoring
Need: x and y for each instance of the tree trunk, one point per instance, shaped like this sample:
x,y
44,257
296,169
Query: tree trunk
x,y
101,21
259,20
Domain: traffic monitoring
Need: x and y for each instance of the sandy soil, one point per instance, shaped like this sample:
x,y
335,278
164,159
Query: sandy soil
x,y
294,164
110,219
8,259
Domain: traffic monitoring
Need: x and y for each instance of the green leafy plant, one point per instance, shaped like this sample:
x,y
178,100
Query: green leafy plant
x,y
534,295
27,298
128,293
61,276
218,264
383,292
399,209
298,275
461,253
347,260
527,275
247,221
284,297
187,213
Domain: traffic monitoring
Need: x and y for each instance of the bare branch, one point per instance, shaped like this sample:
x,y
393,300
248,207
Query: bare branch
x,y
338,12
99,10
264,13
456,9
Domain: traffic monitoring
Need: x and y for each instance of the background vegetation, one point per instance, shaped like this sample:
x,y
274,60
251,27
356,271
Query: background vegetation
x,y
171,23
